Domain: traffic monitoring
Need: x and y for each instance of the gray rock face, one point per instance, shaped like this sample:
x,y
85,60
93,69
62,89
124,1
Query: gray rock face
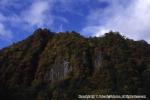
x,y
58,71
61,67
98,61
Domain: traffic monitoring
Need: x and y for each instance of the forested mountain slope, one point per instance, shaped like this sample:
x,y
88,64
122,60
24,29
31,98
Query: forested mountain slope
x,y
60,66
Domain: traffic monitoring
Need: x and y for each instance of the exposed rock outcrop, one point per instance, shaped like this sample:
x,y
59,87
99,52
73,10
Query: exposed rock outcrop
x,y
58,71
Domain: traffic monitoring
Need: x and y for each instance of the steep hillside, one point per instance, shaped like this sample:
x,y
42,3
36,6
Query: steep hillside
x,y
52,66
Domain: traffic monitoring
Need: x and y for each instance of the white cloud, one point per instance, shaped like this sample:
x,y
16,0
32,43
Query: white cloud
x,y
2,17
28,15
132,20
37,14
5,34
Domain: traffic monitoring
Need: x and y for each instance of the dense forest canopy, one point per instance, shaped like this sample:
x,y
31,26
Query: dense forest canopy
x,y
60,66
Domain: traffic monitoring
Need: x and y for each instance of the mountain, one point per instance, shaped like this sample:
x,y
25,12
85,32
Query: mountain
x,y
61,66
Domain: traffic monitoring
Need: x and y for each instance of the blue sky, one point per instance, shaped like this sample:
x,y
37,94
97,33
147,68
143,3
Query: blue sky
x,y
19,18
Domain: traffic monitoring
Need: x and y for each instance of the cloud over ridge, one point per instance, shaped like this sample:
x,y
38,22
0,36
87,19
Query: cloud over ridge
x,y
131,20
19,19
